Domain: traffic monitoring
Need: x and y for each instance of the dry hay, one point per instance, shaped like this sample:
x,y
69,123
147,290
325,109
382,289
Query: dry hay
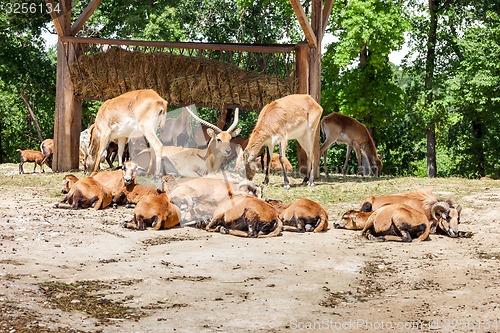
x,y
180,79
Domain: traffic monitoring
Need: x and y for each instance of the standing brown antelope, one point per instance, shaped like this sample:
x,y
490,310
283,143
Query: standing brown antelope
x,y
195,162
291,117
130,115
340,128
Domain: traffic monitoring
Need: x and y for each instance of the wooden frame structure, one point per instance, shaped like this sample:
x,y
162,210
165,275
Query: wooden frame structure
x,y
68,108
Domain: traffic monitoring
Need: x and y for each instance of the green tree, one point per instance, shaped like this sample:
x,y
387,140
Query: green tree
x,y
26,68
358,78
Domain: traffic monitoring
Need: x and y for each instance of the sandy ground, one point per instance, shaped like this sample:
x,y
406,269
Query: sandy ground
x,y
188,280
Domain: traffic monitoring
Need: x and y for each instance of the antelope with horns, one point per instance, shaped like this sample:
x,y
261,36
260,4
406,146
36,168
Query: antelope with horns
x,y
291,117
340,128
442,214
130,115
195,162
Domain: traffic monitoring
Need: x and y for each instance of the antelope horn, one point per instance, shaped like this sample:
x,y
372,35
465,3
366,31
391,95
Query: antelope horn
x,y
204,122
440,205
235,121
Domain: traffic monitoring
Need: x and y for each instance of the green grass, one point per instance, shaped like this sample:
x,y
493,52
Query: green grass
x,y
336,193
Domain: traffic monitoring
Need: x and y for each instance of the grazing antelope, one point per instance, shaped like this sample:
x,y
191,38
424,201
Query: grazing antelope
x,y
47,148
340,128
133,114
291,117
195,162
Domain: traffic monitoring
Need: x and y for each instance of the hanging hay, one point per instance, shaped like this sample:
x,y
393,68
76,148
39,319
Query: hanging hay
x,y
182,80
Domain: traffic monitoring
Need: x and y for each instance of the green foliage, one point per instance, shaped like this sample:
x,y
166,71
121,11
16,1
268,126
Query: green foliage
x,y
357,77
26,67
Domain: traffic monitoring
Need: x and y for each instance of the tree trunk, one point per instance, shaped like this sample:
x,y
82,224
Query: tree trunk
x,y
32,115
429,75
478,149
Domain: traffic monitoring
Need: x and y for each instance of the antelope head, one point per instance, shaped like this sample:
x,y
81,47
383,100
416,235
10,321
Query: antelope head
x,y
221,139
447,217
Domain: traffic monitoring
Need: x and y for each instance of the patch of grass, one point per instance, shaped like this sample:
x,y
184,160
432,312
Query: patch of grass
x,y
16,319
87,297
161,240
490,256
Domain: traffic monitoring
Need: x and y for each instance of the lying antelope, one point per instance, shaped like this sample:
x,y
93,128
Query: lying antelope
x,y
129,115
199,197
443,216
195,162
396,222
85,193
301,215
155,211
340,128
291,117
246,216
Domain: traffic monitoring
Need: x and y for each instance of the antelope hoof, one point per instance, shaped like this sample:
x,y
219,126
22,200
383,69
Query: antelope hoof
x,y
286,187
308,228
200,225
465,234
223,230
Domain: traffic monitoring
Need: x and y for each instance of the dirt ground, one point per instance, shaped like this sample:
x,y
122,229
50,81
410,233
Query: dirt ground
x,y
81,271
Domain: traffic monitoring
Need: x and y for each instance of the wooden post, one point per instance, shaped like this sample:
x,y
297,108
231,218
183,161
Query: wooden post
x,y
315,69
68,112
302,71
302,67
313,86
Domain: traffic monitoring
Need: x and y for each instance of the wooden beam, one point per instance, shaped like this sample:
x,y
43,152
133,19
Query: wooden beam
x,y
327,11
56,18
262,48
84,16
304,23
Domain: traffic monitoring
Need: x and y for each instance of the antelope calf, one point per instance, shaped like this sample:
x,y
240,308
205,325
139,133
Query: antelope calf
x,y
29,155
291,117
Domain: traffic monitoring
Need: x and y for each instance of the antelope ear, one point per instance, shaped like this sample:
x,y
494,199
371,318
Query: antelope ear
x,y
235,132
211,132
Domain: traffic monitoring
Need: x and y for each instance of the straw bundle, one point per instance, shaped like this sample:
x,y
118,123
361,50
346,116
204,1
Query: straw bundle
x,y
180,79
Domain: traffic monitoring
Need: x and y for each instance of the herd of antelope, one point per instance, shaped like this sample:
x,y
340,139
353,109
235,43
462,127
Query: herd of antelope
x,y
192,186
